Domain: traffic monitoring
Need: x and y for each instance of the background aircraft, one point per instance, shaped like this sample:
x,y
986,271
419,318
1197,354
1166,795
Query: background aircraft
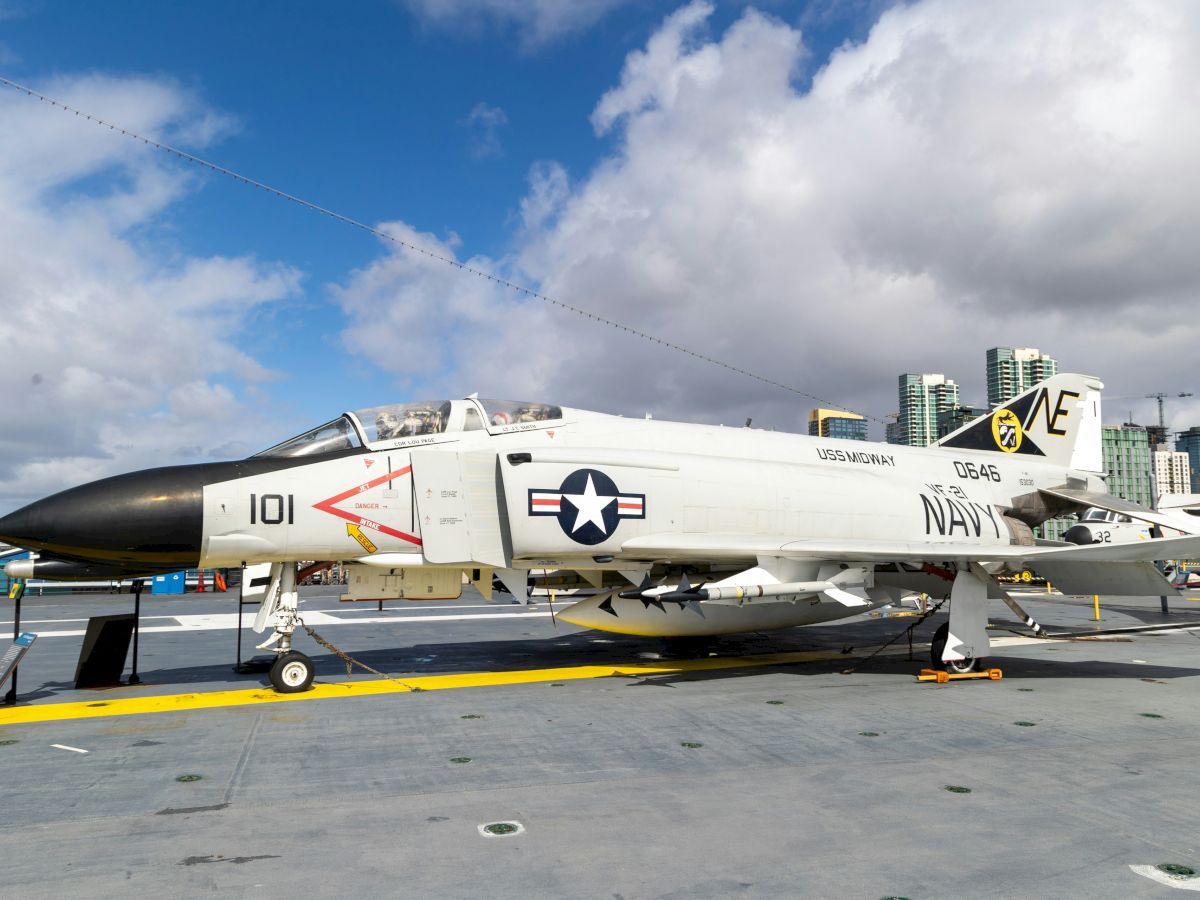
x,y
681,529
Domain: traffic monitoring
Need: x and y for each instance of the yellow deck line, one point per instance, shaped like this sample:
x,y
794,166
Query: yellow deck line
x,y
132,706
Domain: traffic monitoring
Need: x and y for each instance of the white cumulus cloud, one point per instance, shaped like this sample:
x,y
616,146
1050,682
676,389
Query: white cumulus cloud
x,y
966,176
118,353
443,331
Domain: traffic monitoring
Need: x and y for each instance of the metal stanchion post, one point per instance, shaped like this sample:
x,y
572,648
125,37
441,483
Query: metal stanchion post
x,y
10,698
138,584
254,664
241,606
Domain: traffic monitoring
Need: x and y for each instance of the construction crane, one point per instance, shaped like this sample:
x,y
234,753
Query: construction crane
x,y
1160,396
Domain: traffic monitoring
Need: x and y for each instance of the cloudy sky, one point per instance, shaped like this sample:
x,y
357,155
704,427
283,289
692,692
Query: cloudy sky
x,y
824,193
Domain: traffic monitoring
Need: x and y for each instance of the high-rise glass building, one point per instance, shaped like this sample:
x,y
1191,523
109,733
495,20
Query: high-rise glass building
x,y
837,423
1127,464
922,398
1012,370
1189,442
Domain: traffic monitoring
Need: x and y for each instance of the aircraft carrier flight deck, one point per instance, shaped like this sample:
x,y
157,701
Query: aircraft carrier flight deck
x,y
507,755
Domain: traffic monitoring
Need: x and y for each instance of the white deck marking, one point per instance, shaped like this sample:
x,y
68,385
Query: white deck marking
x,y
228,622
1015,641
342,608
65,747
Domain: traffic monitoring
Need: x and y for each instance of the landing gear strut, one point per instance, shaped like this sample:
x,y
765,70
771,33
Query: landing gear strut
x,y
292,671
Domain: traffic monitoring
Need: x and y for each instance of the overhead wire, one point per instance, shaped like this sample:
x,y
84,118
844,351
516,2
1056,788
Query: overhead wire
x,y
416,248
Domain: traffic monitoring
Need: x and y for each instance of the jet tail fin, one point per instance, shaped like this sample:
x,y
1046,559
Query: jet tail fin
x,y
1058,420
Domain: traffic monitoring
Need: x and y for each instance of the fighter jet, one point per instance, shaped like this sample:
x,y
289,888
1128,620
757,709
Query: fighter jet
x,y
680,529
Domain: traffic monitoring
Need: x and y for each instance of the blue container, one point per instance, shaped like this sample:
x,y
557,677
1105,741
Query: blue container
x,y
171,583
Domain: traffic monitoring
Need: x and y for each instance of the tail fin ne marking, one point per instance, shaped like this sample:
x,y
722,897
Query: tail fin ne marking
x,y
1058,419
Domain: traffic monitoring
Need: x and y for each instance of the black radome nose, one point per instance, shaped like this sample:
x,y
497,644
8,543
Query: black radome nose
x,y
153,517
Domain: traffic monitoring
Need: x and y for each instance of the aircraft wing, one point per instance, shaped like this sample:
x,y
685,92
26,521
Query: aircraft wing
x,y
734,547
1118,569
737,547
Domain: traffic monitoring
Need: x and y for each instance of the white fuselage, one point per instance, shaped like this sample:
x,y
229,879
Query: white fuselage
x,y
406,496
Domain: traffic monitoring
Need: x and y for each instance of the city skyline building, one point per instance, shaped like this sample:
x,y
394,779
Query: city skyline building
x,y
1127,464
955,418
1012,370
891,430
922,398
1172,472
1189,442
1157,434
837,423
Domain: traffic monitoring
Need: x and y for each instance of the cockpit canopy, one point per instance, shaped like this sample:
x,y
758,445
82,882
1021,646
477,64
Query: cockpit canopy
x,y
1093,514
328,438
366,428
516,412
403,420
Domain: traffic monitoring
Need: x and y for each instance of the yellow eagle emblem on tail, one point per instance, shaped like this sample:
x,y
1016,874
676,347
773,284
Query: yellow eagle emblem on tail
x,y
1006,430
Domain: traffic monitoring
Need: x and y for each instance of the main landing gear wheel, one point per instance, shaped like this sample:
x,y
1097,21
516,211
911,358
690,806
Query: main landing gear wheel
x,y
292,673
953,666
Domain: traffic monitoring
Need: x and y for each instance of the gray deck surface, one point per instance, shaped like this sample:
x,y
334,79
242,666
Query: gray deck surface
x,y
358,796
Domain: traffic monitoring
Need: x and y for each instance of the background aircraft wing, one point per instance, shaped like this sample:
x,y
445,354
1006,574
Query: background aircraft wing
x,y
1115,504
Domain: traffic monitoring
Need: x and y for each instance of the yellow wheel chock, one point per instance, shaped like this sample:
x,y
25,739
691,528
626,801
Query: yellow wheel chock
x,y
943,677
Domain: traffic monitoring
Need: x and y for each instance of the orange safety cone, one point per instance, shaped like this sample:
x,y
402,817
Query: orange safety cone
x,y
199,581
219,582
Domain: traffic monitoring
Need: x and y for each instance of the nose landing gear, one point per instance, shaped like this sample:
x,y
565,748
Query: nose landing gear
x,y
292,672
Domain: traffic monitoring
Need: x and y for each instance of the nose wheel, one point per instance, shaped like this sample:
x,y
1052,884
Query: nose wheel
x,y
292,672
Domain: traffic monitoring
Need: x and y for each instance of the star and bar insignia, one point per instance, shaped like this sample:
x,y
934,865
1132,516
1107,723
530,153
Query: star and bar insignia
x,y
588,506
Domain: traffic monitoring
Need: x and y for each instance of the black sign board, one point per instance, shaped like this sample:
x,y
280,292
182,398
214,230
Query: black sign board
x,y
105,646
13,654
